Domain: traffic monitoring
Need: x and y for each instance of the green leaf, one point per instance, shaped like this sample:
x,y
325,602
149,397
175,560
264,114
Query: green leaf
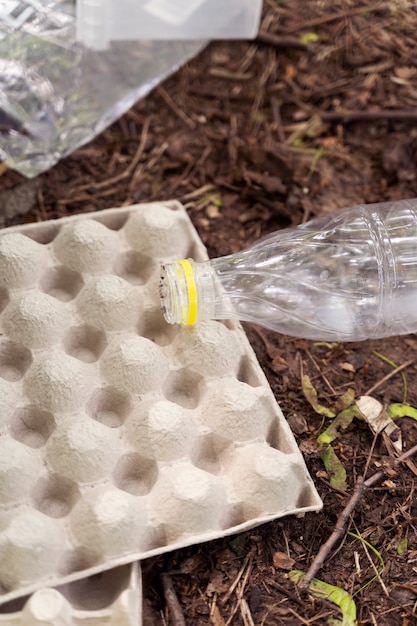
x,y
311,396
341,422
336,595
402,410
402,546
334,468
325,344
309,38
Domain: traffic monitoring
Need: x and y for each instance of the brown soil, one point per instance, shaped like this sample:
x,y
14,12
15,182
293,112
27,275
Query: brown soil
x,y
252,137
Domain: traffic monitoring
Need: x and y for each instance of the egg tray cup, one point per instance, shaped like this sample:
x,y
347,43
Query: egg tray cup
x,y
123,437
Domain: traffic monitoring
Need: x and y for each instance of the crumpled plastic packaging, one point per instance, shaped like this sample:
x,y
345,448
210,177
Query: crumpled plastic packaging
x,y
55,93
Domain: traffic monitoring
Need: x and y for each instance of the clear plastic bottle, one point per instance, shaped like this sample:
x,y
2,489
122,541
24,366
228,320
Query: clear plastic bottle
x,y
348,276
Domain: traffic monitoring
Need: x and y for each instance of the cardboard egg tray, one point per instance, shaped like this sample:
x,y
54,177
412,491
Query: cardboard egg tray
x,y
111,598
121,436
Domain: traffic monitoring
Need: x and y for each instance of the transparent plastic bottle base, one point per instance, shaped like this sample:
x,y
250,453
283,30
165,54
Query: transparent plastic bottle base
x,y
349,276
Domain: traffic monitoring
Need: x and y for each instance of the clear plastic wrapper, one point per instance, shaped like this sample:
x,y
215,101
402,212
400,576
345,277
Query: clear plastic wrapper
x,y
55,93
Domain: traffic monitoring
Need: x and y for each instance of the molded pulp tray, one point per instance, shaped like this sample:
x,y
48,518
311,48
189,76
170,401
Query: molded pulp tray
x,y
122,437
112,598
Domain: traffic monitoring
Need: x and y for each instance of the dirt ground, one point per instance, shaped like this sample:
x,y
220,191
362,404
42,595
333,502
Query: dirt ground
x,y
318,113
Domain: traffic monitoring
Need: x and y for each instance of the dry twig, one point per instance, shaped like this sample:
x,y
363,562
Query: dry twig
x,y
388,376
360,487
345,117
111,182
276,116
173,605
334,17
176,109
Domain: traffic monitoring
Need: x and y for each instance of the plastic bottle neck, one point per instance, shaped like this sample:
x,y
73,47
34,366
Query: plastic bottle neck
x,y
191,292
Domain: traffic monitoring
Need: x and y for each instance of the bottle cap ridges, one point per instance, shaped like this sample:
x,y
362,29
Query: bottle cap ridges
x,y
123,437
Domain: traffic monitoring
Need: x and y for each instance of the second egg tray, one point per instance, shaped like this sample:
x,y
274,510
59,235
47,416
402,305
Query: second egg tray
x,y
110,598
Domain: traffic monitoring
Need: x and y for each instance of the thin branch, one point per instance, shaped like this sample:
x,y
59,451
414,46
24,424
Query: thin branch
x,y
127,171
360,487
276,116
176,109
345,117
388,376
174,607
333,17
235,582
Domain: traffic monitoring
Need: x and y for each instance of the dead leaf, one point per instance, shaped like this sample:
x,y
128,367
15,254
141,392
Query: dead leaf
x,y
191,564
371,409
281,560
297,423
310,394
347,367
330,142
212,211
412,556
279,364
379,421
217,584
309,447
346,400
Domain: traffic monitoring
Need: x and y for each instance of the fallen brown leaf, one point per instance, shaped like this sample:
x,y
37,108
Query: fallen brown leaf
x,y
281,560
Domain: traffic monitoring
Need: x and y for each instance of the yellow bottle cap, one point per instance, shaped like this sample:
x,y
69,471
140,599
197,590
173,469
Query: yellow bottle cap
x,y
188,314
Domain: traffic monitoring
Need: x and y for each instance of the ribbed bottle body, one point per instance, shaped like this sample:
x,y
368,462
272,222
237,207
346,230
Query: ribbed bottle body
x,y
346,277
